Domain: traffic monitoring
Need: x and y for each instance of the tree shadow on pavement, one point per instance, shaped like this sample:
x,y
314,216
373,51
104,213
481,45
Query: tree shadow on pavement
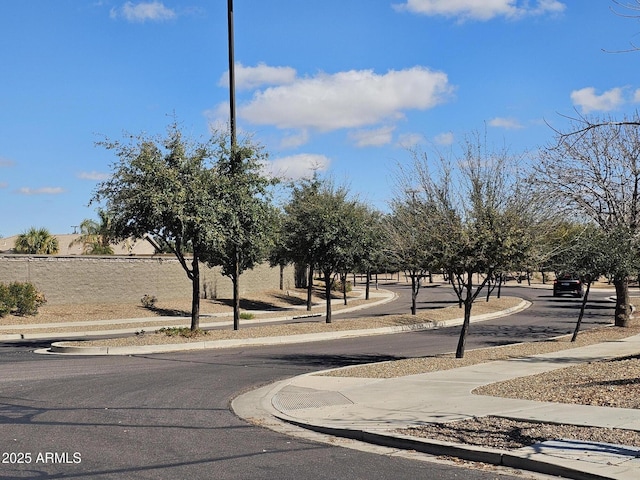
x,y
334,361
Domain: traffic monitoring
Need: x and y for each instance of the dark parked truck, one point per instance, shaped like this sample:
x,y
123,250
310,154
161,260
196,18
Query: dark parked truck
x,y
568,283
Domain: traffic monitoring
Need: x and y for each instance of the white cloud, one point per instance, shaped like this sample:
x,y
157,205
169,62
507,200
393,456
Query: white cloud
x,y
4,184
636,96
97,176
153,11
352,99
444,139
372,138
5,162
253,77
295,140
589,101
508,123
41,191
408,140
296,167
481,9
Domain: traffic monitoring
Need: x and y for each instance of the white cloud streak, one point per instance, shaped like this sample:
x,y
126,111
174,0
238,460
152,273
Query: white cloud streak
x,y
250,78
296,167
40,191
589,101
96,176
445,139
508,123
410,140
144,11
295,140
372,138
481,10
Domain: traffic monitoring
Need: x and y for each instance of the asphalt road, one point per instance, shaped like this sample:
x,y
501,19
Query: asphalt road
x,y
167,416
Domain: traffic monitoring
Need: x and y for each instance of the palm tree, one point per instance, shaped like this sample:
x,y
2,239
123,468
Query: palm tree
x,y
36,241
94,236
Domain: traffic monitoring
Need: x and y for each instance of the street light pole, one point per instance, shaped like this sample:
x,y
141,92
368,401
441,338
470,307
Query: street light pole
x,y
232,81
235,160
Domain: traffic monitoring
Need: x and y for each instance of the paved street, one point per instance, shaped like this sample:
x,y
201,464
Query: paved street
x,y
168,416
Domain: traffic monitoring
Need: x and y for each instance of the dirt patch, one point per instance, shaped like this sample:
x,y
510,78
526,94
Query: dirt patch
x,y
305,327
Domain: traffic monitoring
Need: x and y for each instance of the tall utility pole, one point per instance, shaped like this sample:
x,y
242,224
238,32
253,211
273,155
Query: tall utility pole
x,y
232,79
235,159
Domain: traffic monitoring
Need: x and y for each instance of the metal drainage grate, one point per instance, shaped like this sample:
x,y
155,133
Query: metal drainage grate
x,y
296,398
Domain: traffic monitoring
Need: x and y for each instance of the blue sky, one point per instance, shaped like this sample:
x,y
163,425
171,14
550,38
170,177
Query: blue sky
x,y
341,85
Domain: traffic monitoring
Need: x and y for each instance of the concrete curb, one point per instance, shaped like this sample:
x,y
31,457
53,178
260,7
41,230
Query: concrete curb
x,y
258,407
496,457
171,321
61,349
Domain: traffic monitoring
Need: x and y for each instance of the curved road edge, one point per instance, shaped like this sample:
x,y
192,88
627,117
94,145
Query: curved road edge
x,y
59,348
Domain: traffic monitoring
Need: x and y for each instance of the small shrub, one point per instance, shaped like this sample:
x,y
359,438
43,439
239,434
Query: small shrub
x,y
246,315
181,332
149,301
7,302
24,298
336,286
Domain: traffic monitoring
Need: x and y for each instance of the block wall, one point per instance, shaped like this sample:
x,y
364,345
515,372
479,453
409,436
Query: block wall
x,y
115,279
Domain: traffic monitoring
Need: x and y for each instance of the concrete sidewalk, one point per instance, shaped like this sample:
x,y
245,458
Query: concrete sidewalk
x,y
371,409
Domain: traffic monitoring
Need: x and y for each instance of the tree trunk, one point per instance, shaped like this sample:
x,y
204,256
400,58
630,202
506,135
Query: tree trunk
x,y
300,275
281,276
236,291
367,285
310,288
327,291
415,287
195,293
582,307
468,303
343,280
623,308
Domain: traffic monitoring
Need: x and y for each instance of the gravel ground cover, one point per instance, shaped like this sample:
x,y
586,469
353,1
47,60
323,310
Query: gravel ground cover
x,y
507,434
154,338
612,383
276,302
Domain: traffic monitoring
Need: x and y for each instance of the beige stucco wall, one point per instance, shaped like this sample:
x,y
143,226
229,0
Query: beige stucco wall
x,y
113,279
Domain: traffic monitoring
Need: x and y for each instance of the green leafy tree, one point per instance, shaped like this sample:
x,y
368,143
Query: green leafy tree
x,y
319,231
371,243
358,244
590,253
36,241
95,236
248,218
278,255
168,188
